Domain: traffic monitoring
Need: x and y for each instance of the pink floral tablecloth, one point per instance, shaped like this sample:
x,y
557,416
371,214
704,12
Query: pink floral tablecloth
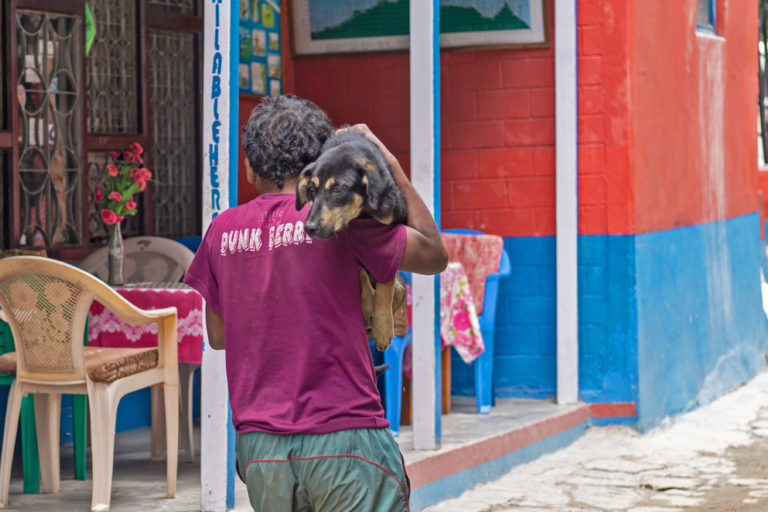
x,y
459,326
105,329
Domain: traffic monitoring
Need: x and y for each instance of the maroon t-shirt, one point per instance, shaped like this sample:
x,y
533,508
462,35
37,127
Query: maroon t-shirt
x,y
296,349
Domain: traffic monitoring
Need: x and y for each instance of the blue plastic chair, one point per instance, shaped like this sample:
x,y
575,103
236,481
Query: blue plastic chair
x,y
190,242
393,377
483,365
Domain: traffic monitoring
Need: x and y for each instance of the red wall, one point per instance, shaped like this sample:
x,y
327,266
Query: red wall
x,y
245,191
498,126
693,114
646,159
497,140
605,186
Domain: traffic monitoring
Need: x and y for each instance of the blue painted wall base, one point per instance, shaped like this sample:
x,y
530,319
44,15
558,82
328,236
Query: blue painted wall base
x,y
702,330
525,352
669,320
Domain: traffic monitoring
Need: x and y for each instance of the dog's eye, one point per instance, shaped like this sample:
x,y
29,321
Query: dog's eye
x,y
339,188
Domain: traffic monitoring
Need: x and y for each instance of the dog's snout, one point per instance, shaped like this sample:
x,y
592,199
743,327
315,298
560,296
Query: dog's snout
x,y
310,227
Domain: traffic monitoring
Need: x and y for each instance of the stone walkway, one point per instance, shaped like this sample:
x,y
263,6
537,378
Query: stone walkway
x,y
714,459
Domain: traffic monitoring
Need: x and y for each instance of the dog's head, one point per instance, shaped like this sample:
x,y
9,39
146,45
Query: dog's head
x,y
336,185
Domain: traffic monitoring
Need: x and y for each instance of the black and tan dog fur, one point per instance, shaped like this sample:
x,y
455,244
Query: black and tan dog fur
x,y
352,178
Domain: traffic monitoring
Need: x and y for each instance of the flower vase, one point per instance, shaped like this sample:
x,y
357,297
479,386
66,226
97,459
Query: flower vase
x,y
115,256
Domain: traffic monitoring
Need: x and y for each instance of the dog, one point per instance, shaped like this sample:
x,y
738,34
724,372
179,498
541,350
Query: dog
x,y
352,178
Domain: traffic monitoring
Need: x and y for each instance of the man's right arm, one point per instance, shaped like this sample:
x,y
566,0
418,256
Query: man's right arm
x,y
214,326
424,249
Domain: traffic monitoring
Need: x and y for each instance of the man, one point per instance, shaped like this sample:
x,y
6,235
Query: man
x,y
311,432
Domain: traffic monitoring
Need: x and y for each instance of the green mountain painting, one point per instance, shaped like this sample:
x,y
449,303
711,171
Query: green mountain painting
x,y
388,18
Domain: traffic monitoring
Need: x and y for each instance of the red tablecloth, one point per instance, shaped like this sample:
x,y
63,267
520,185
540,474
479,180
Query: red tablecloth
x,y
479,255
105,329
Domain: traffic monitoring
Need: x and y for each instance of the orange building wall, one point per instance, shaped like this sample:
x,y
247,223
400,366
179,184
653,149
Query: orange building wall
x,y
694,153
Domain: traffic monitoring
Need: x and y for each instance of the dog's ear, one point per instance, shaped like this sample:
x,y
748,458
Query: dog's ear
x,y
364,164
367,170
302,185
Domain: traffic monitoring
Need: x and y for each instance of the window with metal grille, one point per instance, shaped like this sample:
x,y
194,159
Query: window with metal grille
x,y
173,131
177,6
142,84
49,107
113,105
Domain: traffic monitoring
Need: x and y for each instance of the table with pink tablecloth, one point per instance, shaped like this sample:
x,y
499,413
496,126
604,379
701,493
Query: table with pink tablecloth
x,y
105,329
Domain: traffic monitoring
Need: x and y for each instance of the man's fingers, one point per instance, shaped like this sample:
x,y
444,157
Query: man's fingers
x,y
360,127
365,130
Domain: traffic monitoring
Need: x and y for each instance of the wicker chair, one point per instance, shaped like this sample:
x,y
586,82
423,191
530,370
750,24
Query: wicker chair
x,y
46,303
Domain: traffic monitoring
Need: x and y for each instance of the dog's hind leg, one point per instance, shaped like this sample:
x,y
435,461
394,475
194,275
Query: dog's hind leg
x,y
367,294
383,322
399,294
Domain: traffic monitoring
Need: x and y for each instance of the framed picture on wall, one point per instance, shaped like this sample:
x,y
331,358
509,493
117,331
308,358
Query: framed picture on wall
x,y
346,26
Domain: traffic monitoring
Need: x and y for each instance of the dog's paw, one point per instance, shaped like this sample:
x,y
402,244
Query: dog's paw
x,y
382,335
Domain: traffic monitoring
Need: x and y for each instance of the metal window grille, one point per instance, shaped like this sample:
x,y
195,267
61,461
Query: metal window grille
x,y
112,75
50,117
177,6
172,98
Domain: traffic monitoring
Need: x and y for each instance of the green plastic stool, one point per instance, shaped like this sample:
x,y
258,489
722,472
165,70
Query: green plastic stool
x,y
29,457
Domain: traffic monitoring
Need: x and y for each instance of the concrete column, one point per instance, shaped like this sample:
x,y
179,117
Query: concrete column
x,y
567,206
220,98
425,175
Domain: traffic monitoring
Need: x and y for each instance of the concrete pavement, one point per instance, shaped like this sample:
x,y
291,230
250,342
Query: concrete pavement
x,y
714,459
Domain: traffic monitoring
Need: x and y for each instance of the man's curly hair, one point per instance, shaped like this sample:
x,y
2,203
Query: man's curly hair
x,y
283,135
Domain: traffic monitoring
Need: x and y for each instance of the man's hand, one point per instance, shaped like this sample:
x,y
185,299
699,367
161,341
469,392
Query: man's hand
x,y
424,250
391,160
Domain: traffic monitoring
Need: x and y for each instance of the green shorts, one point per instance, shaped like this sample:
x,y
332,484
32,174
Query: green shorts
x,y
349,470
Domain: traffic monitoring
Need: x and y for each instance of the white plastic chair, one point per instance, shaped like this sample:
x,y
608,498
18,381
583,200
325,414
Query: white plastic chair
x,y
146,259
46,303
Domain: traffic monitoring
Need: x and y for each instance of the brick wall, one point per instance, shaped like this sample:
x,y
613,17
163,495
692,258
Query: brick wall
x,y
605,184
497,140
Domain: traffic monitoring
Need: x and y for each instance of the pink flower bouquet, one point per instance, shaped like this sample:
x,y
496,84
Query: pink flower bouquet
x,y
125,176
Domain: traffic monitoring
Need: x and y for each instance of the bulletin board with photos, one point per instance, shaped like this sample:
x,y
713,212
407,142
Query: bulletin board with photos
x,y
260,70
